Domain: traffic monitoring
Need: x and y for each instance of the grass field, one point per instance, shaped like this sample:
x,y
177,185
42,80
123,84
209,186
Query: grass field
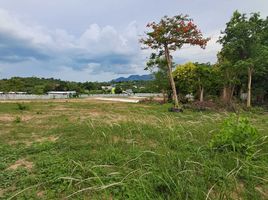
x,y
105,150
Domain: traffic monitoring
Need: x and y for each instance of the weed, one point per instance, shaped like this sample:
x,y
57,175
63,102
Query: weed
x,y
17,119
22,106
128,151
236,134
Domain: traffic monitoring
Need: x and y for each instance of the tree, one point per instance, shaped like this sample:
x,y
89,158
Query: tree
x,y
185,78
229,76
161,80
204,76
169,35
192,77
245,45
118,89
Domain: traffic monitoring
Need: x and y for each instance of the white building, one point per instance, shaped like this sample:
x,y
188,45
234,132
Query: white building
x,y
108,87
61,94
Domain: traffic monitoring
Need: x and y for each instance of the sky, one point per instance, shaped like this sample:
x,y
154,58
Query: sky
x,y
86,40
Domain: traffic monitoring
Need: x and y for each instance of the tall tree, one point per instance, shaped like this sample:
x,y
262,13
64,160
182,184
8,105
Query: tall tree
x,y
194,77
204,74
170,34
229,76
244,45
185,78
161,80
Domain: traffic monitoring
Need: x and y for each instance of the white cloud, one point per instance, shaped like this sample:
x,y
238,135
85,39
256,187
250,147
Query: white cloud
x,y
197,54
95,52
110,51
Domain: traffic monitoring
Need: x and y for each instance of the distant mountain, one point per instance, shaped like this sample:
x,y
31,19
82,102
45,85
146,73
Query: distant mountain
x,y
147,77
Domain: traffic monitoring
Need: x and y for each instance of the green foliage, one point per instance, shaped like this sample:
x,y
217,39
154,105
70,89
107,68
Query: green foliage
x,y
118,90
22,107
170,34
194,77
245,52
33,85
123,151
161,80
17,119
236,134
186,78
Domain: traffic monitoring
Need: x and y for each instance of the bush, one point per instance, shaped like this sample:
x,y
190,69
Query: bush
x,y
236,134
22,107
118,90
152,100
17,120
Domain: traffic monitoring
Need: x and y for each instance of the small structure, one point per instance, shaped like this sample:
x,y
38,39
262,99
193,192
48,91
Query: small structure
x,y
11,92
243,96
61,94
189,97
107,87
129,92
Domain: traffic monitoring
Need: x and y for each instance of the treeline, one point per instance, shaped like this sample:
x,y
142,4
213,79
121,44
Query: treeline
x,y
208,82
240,73
34,85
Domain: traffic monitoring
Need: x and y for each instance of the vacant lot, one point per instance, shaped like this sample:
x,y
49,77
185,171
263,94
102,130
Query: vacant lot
x,y
108,150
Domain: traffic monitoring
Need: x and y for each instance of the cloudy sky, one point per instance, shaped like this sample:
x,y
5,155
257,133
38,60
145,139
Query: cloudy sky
x,y
88,40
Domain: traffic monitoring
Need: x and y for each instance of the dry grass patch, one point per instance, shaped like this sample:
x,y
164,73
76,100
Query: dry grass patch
x,y
25,118
34,139
3,191
21,163
84,114
11,118
40,194
62,108
51,138
6,118
262,191
238,192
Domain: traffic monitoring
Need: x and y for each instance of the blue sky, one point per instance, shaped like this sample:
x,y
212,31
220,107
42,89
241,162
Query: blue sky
x,y
85,40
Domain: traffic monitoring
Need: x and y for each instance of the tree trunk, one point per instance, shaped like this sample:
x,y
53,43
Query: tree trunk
x,y
172,82
250,70
201,99
164,96
227,93
224,94
231,92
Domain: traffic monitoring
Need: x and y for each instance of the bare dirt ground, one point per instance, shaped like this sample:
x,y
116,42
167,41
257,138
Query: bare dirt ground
x,y
114,99
118,99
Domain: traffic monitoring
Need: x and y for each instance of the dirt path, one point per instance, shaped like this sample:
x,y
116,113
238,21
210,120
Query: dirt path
x,y
118,99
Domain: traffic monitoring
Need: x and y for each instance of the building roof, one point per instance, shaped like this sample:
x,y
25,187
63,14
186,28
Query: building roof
x,y
61,92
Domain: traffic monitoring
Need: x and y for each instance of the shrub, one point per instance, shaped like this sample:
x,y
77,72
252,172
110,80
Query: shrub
x,y
17,120
22,106
152,100
118,90
236,134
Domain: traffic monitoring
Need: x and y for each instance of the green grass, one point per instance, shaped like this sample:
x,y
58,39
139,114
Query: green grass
x,y
100,150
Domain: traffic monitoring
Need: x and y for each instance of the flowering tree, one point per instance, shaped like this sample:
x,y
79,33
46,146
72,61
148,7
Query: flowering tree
x,y
169,35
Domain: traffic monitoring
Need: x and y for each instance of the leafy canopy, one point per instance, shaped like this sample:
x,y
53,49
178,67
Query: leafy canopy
x,y
185,77
245,41
173,33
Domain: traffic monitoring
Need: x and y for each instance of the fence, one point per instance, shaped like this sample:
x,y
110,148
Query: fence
x,y
31,96
122,95
65,96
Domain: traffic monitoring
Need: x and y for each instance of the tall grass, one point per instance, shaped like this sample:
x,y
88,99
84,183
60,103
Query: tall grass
x,y
128,151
